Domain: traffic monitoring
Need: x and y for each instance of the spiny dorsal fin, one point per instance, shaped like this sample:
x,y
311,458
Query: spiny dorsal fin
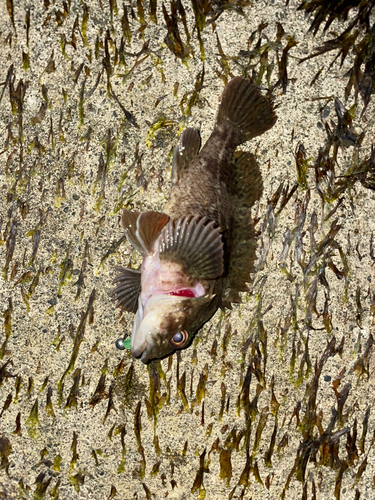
x,y
194,243
190,143
129,223
127,290
149,225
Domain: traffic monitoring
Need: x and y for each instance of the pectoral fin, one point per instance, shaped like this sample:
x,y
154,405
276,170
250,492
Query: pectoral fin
x,y
190,143
149,225
129,223
194,243
142,229
127,290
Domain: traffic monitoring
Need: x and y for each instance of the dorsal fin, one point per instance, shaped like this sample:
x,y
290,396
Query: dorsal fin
x,y
149,225
190,143
194,243
127,290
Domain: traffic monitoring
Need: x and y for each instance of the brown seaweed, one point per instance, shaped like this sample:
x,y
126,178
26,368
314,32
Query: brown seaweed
x,y
198,482
173,39
357,37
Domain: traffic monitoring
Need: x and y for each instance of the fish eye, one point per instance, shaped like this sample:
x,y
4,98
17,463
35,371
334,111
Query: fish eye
x,y
179,339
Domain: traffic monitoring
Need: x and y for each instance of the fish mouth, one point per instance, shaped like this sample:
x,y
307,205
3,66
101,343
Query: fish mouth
x,y
145,358
163,316
141,354
149,338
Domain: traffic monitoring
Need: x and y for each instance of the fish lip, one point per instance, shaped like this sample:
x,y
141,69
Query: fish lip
x,y
138,352
149,355
143,357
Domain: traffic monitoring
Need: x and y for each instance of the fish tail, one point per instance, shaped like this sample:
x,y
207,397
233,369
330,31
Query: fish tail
x,y
245,110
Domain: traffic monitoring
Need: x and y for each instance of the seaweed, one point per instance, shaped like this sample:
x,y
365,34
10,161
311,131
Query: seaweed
x,y
41,486
283,74
122,431
11,12
259,430
268,454
137,431
111,405
225,466
49,407
17,431
77,480
78,339
74,391
198,481
6,404
7,316
33,420
10,246
126,31
356,36
262,56
327,443
173,39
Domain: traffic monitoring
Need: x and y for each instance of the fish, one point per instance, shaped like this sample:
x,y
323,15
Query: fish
x,y
199,253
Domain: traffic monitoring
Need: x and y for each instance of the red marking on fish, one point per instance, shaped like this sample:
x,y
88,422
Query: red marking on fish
x,y
183,293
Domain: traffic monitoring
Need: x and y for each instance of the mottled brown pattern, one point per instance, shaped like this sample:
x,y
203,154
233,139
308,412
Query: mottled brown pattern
x,y
223,187
206,188
212,192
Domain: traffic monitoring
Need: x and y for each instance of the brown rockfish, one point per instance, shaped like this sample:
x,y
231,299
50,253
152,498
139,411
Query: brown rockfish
x,y
199,253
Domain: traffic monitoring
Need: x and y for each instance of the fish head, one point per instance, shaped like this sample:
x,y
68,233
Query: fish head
x,y
167,323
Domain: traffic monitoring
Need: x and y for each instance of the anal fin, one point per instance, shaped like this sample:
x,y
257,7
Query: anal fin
x,y
248,184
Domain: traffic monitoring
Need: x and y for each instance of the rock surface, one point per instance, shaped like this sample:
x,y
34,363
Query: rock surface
x,y
273,399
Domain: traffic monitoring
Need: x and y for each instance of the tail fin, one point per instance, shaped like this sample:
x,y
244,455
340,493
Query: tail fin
x,y
245,109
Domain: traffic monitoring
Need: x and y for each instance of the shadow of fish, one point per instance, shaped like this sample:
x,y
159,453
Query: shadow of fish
x,y
199,253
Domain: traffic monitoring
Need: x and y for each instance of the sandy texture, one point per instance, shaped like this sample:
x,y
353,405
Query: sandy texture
x,y
274,398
